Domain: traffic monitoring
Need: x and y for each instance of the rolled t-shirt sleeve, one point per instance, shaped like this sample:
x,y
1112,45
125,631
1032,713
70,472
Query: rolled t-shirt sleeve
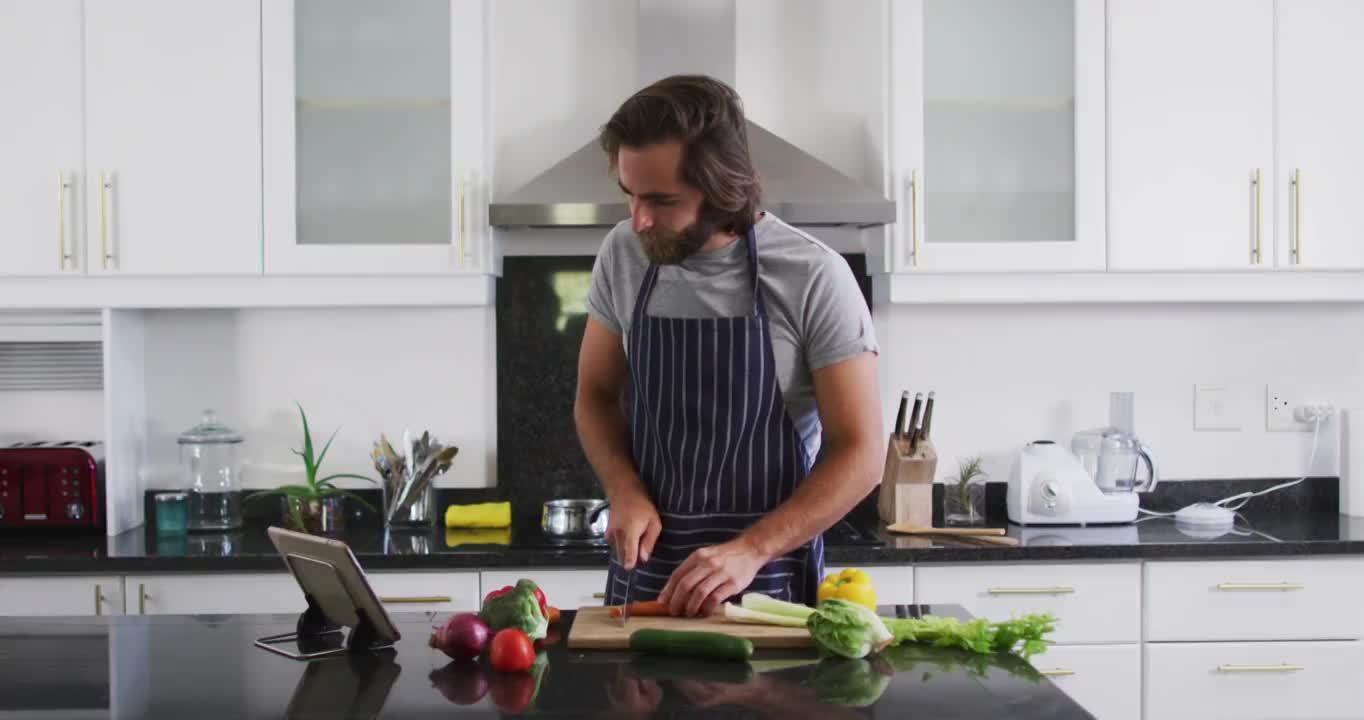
x,y
837,322
600,301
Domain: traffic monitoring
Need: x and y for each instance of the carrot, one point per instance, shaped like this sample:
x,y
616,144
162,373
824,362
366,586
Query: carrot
x,y
643,608
553,613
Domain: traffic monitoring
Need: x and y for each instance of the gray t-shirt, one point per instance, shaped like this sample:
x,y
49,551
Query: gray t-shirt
x,y
817,313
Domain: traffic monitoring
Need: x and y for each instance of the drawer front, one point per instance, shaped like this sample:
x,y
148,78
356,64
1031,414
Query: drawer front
x,y
894,583
213,593
1103,679
1255,600
564,589
220,593
61,595
1254,680
1093,603
426,591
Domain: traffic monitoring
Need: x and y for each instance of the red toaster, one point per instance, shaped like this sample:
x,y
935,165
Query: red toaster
x,y
52,485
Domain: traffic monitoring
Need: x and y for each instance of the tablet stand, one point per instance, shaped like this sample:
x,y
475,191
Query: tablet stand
x,y
313,624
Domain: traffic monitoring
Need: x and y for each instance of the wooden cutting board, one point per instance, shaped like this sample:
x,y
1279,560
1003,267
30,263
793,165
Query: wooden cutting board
x,y
595,629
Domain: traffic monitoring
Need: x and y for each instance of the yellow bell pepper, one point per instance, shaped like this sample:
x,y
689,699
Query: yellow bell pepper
x,y
852,585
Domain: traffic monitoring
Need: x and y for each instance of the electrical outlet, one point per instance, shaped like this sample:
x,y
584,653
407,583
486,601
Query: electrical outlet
x,y
1283,406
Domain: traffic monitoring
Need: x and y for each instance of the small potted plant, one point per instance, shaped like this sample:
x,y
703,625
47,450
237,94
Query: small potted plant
x,y
964,496
316,505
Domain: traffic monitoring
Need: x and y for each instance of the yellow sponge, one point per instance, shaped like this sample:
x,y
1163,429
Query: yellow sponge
x,y
481,515
455,537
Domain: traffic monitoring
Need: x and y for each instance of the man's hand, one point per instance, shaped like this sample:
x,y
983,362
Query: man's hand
x,y
632,528
709,576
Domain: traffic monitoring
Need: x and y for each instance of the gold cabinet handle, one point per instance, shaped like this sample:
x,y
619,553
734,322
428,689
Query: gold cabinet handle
x,y
462,253
1295,249
416,600
1261,586
914,217
106,186
1255,249
142,598
1056,672
63,257
599,596
99,600
1260,668
1058,590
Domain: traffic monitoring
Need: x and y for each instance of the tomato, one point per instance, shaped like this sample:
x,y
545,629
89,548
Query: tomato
x,y
540,598
511,651
512,692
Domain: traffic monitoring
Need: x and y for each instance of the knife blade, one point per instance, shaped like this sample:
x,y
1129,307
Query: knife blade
x,y
625,609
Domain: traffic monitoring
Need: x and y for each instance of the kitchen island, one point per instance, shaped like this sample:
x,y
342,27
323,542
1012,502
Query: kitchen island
x,y
207,667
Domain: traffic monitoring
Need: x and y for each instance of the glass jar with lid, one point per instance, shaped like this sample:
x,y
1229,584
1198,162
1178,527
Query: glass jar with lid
x,y
210,454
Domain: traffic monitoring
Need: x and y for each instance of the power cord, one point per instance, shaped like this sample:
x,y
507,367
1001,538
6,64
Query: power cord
x,y
1314,414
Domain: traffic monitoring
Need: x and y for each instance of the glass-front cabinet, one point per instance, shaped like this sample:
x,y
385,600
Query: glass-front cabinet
x,y
374,152
997,135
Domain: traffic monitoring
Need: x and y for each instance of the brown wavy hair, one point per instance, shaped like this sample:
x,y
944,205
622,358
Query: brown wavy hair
x,y
707,116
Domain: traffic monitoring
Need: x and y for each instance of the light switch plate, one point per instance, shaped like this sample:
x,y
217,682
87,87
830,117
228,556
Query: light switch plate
x,y
1215,408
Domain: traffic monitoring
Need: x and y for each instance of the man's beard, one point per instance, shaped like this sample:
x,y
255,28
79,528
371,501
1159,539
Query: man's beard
x,y
670,248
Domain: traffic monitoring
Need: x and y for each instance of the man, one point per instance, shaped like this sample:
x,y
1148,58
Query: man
x,y
736,341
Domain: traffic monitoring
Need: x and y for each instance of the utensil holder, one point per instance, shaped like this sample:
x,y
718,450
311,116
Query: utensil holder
x,y
421,514
907,483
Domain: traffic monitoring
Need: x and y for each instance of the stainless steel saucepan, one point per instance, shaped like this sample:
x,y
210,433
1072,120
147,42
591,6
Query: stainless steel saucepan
x,y
575,518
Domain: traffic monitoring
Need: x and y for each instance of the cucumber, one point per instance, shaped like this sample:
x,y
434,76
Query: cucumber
x,y
690,643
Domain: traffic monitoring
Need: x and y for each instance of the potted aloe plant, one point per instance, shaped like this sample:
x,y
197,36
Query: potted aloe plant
x,y
964,496
314,506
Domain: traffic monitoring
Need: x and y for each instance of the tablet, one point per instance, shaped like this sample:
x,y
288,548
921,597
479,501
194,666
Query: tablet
x,y
327,570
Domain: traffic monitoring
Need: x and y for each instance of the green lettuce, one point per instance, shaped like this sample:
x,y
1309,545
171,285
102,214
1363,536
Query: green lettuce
x,y
844,628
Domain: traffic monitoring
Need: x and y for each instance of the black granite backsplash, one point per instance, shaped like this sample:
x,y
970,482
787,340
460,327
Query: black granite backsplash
x,y
541,315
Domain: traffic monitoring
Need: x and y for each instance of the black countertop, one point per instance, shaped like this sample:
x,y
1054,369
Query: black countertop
x,y
207,667
141,550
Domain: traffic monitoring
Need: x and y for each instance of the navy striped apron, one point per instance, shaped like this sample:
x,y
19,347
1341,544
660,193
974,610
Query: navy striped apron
x,y
711,441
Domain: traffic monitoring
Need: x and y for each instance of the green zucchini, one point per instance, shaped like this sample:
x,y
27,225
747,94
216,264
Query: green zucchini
x,y
690,643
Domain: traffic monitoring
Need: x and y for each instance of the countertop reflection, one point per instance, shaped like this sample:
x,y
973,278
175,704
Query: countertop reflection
x,y
206,666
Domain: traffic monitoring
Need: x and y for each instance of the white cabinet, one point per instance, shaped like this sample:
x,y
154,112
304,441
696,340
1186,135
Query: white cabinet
x,y
61,595
374,146
40,81
277,592
213,593
564,589
1318,184
442,592
1298,599
1191,179
1093,602
173,139
894,583
997,126
1248,681
1104,679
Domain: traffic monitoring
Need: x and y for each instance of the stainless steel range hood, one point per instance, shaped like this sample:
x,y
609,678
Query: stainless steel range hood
x,y
692,37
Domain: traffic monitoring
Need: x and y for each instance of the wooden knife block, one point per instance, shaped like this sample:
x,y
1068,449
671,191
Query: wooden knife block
x,y
907,483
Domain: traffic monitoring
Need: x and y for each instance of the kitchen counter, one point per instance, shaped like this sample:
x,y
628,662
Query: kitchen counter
x,y
207,667
140,550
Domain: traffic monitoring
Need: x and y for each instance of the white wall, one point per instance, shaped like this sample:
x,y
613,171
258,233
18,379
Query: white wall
x,y
364,371
51,415
1005,375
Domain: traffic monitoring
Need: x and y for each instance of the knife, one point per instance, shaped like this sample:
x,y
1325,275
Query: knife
x,y
900,415
928,418
625,609
914,420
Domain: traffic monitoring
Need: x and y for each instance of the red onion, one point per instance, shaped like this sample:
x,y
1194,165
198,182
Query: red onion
x,y
463,637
